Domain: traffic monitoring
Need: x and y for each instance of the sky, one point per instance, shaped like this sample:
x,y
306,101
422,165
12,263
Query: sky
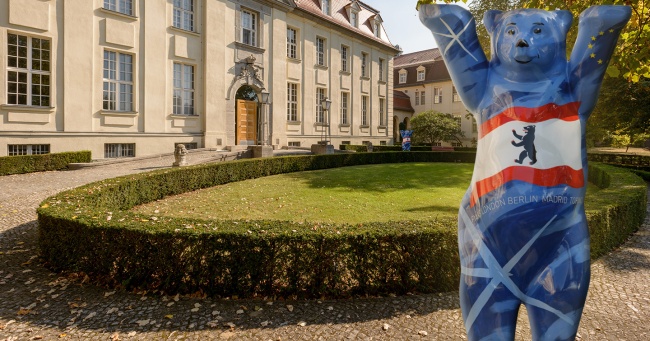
x,y
403,25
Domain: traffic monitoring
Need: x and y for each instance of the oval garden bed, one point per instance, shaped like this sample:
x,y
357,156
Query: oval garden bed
x,y
92,229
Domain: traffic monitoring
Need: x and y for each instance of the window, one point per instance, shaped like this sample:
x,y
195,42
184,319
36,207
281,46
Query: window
x,y
114,150
422,98
377,29
454,94
184,14
364,66
402,77
346,142
183,101
320,51
420,75
28,149
28,70
474,126
188,145
325,6
382,106
293,144
364,110
458,119
417,97
248,27
292,102
437,144
437,95
344,107
345,59
292,43
354,19
381,69
118,82
382,143
122,6
456,144
320,96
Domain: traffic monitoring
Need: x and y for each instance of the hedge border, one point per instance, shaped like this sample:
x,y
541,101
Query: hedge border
x,y
21,164
91,229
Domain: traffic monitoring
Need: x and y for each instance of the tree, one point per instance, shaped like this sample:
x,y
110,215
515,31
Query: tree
x,y
431,126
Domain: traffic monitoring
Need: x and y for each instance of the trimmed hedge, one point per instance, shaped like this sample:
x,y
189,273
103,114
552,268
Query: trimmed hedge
x,y
40,163
396,148
91,229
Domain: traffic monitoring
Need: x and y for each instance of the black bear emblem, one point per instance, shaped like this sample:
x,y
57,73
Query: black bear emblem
x,y
528,142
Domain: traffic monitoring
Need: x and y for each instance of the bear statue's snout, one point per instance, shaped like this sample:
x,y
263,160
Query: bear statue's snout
x,y
522,43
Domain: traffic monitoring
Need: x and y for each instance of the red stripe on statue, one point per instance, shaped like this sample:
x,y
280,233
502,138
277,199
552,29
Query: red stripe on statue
x,y
566,112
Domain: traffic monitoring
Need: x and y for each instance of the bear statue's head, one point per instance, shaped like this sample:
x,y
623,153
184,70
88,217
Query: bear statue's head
x,y
528,40
529,130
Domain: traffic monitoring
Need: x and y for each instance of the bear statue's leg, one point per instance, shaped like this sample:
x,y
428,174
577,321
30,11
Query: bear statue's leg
x,y
488,318
563,283
533,156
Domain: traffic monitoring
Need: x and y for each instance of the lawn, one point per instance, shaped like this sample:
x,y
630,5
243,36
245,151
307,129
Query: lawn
x,y
359,194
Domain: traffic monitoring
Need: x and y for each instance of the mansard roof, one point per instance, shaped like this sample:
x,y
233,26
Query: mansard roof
x,y
429,60
402,101
339,17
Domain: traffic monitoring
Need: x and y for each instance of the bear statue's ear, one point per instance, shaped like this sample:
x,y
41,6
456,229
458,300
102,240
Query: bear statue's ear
x,y
564,18
491,19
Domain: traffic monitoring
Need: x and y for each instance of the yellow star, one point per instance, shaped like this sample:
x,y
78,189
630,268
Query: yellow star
x,y
611,31
600,61
593,38
590,46
601,33
593,55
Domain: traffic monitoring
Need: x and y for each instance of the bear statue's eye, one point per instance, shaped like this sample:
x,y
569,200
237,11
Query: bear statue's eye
x,y
537,30
510,31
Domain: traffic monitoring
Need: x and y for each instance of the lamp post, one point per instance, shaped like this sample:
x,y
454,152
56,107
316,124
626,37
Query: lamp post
x,y
264,101
326,103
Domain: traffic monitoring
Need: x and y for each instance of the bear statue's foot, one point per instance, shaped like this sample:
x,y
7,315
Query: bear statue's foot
x,y
518,161
533,162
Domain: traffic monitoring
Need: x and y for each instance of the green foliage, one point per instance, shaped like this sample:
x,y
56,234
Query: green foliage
x,y
40,163
91,229
431,126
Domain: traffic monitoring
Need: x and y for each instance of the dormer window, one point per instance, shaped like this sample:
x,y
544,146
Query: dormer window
x,y
353,10
421,73
402,76
376,22
325,6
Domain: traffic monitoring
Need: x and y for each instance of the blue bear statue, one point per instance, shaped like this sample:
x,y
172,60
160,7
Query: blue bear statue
x,y
522,229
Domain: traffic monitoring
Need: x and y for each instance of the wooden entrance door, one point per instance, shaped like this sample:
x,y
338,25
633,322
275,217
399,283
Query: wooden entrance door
x,y
246,122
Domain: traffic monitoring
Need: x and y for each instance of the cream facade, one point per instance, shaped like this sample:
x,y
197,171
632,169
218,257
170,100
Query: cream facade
x,y
134,78
423,76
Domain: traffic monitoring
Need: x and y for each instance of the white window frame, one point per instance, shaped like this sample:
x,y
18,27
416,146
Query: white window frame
x,y
364,64
402,77
117,83
321,51
249,27
421,75
364,110
292,43
345,58
27,149
121,6
183,89
454,93
417,97
382,106
321,93
377,29
325,6
292,102
25,92
345,105
354,19
437,95
183,15
423,97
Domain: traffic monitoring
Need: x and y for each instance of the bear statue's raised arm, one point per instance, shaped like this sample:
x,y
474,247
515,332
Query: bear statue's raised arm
x,y
598,31
454,30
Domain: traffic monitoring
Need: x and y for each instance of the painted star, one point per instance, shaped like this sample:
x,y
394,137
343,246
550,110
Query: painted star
x,y
611,31
600,61
590,46
601,33
455,37
593,38
593,55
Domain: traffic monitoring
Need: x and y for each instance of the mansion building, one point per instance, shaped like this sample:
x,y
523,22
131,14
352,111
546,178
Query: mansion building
x,y
128,78
424,78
